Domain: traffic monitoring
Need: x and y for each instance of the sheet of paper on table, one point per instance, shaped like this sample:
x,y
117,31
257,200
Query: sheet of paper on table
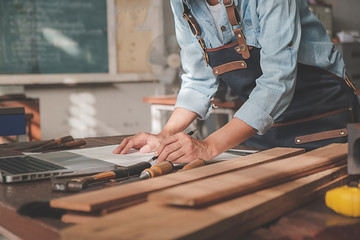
x,y
105,154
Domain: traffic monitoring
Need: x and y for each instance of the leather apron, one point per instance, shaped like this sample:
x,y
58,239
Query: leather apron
x,y
322,105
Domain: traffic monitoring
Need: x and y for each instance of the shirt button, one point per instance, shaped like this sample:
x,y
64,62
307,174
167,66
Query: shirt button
x,y
223,28
290,44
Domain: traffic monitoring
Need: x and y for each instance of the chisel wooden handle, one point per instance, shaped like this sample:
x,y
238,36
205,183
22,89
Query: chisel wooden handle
x,y
64,139
157,170
194,164
75,143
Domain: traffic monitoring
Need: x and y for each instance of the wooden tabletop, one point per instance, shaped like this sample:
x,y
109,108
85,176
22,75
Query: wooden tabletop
x,y
313,221
171,100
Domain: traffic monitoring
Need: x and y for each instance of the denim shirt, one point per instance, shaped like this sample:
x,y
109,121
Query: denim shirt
x,y
287,33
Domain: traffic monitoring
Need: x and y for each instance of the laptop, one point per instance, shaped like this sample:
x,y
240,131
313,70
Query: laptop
x,y
46,165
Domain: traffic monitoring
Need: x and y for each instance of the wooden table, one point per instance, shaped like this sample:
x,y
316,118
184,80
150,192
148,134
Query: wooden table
x,y
313,221
167,103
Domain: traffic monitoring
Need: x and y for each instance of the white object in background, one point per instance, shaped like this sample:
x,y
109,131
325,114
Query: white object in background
x,y
348,36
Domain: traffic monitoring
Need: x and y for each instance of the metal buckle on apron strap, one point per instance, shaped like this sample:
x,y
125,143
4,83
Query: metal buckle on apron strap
x,y
243,47
235,21
228,4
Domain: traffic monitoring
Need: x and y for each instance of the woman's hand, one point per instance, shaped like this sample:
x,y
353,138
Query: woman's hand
x,y
181,148
146,142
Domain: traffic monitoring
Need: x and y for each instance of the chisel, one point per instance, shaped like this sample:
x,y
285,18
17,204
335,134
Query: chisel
x,y
157,170
79,184
162,169
194,164
168,167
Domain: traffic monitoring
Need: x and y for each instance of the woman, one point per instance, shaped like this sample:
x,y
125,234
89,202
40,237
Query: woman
x,y
276,56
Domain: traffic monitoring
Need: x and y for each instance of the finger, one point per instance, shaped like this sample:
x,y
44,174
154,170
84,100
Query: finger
x,y
165,143
146,149
127,147
175,156
121,146
170,149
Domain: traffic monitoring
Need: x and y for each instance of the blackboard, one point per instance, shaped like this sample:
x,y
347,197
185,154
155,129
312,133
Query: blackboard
x,y
53,36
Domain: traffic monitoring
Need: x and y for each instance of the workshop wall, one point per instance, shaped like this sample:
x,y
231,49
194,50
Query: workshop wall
x,y
100,109
346,15
93,110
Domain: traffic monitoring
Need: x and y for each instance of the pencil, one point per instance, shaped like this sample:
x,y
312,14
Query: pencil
x,y
156,157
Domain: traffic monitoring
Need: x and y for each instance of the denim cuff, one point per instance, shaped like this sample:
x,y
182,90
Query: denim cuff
x,y
255,117
194,101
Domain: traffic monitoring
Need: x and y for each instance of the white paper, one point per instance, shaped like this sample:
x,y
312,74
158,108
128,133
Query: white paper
x,y
105,153
133,157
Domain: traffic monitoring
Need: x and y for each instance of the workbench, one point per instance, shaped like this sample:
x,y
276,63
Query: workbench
x,y
312,221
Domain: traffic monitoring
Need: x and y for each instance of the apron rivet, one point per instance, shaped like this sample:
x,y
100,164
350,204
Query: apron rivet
x,y
342,133
243,48
242,64
216,71
237,49
239,35
298,140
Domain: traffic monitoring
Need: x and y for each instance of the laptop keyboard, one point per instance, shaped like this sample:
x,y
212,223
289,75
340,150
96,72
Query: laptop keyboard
x,y
27,164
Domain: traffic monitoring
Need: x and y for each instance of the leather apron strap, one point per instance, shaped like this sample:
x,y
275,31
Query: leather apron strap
x,y
235,21
195,29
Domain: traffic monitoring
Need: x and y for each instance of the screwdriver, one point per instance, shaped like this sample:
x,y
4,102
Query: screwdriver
x,y
79,184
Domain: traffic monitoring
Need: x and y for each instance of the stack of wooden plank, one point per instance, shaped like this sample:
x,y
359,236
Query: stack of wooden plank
x,y
223,199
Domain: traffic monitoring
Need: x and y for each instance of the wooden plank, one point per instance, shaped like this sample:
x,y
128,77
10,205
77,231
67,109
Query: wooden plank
x,y
83,217
275,212
92,201
154,221
226,186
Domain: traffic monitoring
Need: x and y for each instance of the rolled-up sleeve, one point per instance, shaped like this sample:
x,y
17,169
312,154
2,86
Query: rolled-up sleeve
x,y
279,36
199,84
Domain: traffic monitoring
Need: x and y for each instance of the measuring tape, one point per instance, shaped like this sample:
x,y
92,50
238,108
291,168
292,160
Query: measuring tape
x,y
345,200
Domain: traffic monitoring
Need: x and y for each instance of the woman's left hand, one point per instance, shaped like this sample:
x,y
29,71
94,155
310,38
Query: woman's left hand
x,y
181,148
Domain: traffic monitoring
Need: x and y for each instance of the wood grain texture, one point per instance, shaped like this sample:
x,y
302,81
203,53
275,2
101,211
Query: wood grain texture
x,y
226,186
225,220
96,200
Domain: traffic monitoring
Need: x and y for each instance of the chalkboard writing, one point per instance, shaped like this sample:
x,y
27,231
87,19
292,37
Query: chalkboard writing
x,y
53,36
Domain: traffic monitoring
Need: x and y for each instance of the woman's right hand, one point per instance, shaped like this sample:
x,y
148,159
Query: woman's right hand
x,y
145,142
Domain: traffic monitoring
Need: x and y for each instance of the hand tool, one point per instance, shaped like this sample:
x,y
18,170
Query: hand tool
x,y
167,167
157,170
156,157
194,164
78,184
345,200
60,143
